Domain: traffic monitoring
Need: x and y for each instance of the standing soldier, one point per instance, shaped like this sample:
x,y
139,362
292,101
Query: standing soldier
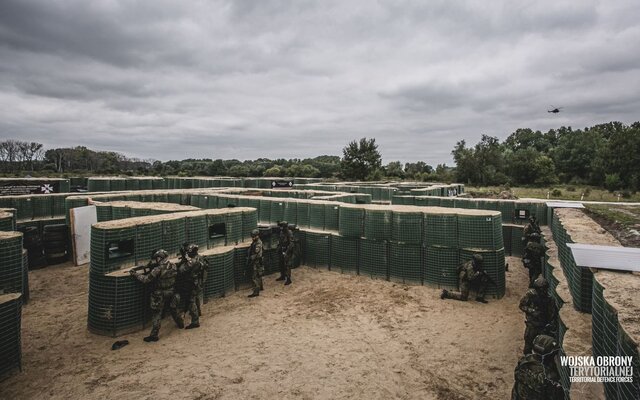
x,y
536,376
532,257
529,229
285,252
163,277
255,260
470,275
196,268
541,313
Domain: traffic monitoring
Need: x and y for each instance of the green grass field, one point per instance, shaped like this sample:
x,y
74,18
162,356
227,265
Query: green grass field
x,y
559,192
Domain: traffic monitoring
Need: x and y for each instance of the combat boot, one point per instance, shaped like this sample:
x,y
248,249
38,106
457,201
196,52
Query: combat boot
x,y
256,293
151,338
281,278
180,323
193,325
261,286
481,300
287,281
444,294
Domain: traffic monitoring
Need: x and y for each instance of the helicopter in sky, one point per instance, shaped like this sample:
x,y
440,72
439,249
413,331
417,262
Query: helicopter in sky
x,y
554,109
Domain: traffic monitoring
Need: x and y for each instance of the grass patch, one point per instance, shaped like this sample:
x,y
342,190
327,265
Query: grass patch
x,y
627,216
562,192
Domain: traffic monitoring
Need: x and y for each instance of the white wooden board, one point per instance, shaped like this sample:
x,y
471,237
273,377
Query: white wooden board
x,y
81,220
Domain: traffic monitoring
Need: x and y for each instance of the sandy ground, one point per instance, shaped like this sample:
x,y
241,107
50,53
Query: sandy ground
x,y
327,336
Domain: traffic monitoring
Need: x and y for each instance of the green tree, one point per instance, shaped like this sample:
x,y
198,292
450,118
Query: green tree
x,y
361,160
394,170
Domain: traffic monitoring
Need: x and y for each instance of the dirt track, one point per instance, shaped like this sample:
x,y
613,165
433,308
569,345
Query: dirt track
x,y
327,336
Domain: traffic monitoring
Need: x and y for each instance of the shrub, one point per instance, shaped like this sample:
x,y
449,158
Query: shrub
x,y
556,193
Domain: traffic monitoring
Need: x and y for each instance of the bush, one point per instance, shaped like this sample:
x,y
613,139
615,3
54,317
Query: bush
x,y
556,193
587,192
571,188
625,194
612,182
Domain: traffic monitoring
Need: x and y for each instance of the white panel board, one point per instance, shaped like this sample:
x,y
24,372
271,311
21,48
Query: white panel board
x,y
81,220
564,204
609,257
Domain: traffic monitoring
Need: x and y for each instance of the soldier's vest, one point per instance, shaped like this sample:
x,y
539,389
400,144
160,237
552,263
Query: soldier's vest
x,y
167,278
198,267
530,378
252,251
534,252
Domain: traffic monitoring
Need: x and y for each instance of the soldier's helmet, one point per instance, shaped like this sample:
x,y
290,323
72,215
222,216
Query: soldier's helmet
x,y
541,283
532,218
160,254
283,224
535,237
477,258
255,233
192,249
544,344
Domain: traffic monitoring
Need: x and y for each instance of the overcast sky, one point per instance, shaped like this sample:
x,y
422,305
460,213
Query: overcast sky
x,y
272,78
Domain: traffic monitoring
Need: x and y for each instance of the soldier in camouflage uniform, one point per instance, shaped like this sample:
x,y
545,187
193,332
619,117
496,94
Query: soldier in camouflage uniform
x,y
255,260
162,277
196,268
532,257
471,275
529,229
541,313
536,376
285,252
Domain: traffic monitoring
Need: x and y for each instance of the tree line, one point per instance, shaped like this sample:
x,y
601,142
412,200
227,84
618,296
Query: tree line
x,y
603,155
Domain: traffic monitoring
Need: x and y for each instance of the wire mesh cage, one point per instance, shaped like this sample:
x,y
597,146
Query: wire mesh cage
x,y
374,258
112,248
174,234
277,211
197,230
148,240
317,248
441,267
11,268
249,223
220,277
291,212
331,216
10,336
351,221
344,254
302,213
264,211
407,227
482,231
377,224
405,263
316,215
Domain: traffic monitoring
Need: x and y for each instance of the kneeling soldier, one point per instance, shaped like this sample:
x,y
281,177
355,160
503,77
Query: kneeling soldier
x,y
470,275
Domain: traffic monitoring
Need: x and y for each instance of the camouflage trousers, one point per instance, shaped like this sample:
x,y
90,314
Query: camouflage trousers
x,y
196,295
256,278
159,299
285,265
466,286
530,333
534,271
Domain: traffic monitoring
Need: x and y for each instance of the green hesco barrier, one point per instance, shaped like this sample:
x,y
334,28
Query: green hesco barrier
x,y
158,184
24,205
493,264
11,272
433,201
506,237
303,215
218,238
118,304
407,227
331,216
106,254
291,212
7,222
405,263
480,232
117,185
174,198
104,212
344,254
249,223
161,198
377,224
264,211
317,249
132,184
203,201
98,184
197,230
120,212
627,347
277,211
195,200
173,234
441,230
374,258
242,273
441,267
145,184
564,371
132,197
316,215
597,320
10,321
42,206
148,240
351,221
517,248
451,202
220,276
212,202
610,343
234,228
